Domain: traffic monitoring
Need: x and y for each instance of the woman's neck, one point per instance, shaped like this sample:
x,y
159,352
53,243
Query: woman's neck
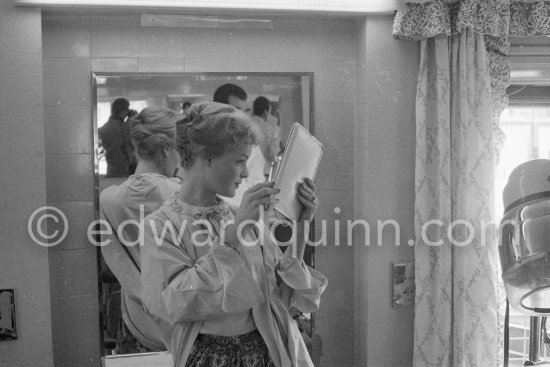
x,y
194,192
145,166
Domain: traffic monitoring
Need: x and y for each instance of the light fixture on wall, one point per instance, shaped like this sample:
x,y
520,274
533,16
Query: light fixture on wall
x,y
344,7
191,21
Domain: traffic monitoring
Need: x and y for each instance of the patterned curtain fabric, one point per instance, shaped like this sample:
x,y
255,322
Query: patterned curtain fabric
x,y
457,293
495,19
461,93
423,19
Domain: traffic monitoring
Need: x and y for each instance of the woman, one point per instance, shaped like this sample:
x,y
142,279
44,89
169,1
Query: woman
x,y
229,301
266,123
153,134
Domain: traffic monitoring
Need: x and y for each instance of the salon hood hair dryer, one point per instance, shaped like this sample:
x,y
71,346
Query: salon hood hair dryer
x,y
525,247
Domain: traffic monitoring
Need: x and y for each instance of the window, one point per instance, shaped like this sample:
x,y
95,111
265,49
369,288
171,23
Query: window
x,y
527,130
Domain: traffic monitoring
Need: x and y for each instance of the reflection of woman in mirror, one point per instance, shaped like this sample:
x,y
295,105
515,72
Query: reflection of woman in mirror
x,y
266,123
153,134
115,140
231,302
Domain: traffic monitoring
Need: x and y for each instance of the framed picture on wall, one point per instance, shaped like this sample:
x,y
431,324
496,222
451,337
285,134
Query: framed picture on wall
x,y
8,329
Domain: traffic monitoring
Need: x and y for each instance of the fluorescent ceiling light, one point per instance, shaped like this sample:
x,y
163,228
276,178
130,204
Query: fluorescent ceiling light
x,y
318,6
190,21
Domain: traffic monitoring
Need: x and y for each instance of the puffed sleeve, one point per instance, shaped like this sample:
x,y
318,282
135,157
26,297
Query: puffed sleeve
x,y
300,284
119,261
123,261
213,285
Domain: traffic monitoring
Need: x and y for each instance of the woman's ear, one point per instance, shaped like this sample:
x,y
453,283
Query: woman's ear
x,y
203,162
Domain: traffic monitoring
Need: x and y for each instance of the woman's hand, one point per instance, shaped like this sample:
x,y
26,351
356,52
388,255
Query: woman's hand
x,y
257,196
253,199
306,196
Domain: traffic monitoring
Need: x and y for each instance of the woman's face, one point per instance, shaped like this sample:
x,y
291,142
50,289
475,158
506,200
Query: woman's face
x,y
227,171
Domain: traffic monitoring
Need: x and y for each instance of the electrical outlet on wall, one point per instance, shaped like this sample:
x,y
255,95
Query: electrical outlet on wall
x,y
8,330
403,284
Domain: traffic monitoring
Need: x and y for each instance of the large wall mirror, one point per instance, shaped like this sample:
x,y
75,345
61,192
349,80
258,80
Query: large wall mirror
x,y
290,100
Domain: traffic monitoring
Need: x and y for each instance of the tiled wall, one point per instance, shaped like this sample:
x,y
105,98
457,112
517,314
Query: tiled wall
x,y
75,44
23,264
69,187
370,127
385,135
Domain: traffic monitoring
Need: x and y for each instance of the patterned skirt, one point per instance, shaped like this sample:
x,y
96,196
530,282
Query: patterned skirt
x,y
247,350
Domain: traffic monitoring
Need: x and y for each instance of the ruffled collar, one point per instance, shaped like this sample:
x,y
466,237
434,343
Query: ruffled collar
x,y
146,175
200,212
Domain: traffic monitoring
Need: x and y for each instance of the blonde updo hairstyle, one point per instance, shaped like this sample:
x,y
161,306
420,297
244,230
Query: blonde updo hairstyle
x,y
153,129
212,129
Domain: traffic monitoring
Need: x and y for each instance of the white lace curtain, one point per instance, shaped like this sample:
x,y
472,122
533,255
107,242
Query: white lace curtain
x,y
461,93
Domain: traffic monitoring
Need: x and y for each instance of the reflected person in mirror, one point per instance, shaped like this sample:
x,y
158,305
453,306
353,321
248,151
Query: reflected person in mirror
x,y
185,106
115,139
235,96
230,301
266,123
153,134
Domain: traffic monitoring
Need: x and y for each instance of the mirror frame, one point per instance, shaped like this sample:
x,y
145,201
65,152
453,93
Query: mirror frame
x,y
310,250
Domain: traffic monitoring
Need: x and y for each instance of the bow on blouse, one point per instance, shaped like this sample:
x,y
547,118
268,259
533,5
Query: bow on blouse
x,y
214,216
